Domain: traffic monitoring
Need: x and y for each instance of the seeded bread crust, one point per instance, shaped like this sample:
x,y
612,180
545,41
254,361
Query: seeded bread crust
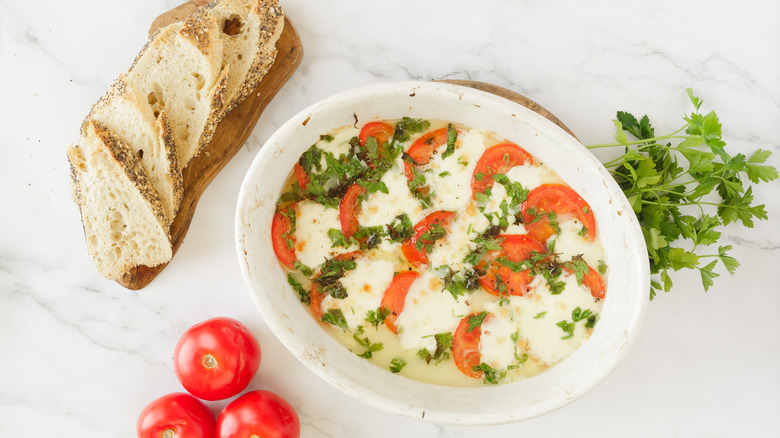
x,y
181,81
141,235
127,115
265,20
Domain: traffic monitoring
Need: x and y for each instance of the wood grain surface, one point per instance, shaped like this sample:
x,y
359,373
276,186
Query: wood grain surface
x,y
231,133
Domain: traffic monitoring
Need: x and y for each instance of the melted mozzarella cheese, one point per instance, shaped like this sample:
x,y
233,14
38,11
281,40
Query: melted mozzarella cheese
x,y
568,243
381,208
539,312
449,179
340,143
312,244
365,286
496,346
428,311
457,244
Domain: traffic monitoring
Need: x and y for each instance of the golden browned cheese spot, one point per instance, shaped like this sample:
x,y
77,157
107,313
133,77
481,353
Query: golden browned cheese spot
x,y
435,283
367,288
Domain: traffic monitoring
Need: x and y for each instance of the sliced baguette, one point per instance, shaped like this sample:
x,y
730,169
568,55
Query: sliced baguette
x,y
127,115
122,215
179,72
249,30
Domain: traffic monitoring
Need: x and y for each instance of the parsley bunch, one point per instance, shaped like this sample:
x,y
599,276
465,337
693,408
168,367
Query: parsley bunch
x,y
684,187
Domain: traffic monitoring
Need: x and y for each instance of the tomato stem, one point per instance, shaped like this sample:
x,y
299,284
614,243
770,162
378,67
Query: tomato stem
x,y
209,361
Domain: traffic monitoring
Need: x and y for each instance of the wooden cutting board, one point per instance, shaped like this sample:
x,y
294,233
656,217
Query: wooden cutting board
x,y
231,133
236,127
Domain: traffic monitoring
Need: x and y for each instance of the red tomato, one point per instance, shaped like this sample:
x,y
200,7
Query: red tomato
x,y
258,414
515,248
349,207
409,247
216,359
301,176
497,159
316,296
395,296
381,131
281,238
465,347
422,148
560,199
177,415
593,281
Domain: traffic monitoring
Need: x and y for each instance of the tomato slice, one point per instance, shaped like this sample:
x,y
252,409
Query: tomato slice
x,y
515,248
395,296
301,176
381,131
281,237
593,281
349,207
316,295
422,149
409,248
465,347
561,200
497,159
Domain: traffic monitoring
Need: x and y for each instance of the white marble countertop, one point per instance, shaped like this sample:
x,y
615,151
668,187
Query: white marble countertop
x,y
81,356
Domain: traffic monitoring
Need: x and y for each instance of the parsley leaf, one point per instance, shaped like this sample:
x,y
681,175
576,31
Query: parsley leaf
x,y
688,170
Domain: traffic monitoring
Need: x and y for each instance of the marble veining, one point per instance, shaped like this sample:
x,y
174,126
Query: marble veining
x,y
82,356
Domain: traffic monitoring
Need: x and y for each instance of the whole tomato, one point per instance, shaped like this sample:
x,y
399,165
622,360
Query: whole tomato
x,y
258,413
177,415
216,359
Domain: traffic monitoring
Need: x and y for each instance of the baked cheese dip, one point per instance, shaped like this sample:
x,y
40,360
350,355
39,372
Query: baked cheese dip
x,y
440,252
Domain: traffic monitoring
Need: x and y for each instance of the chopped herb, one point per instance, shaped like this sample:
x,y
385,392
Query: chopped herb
x,y
540,315
337,238
476,320
372,236
378,316
408,126
452,136
327,137
445,173
368,345
567,327
335,317
397,364
602,267
400,228
305,270
443,347
434,233
489,374
303,294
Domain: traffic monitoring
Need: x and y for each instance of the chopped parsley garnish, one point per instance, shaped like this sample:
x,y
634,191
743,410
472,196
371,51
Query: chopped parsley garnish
x,y
368,345
476,320
452,137
400,228
378,316
337,238
408,126
303,294
305,270
434,233
335,317
443,347
396,365
330,272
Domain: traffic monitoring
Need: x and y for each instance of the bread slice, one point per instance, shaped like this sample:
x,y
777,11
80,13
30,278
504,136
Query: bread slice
x,y
249,30
122,215
127,115
180,72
